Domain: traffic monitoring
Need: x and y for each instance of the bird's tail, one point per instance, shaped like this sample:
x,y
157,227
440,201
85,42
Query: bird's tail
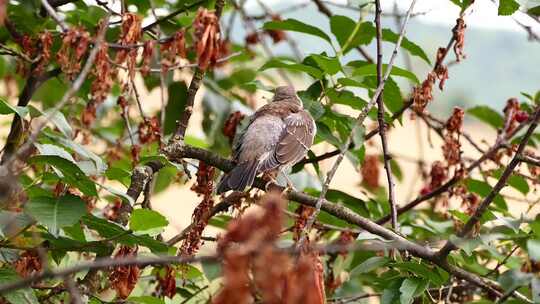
x,y
239,178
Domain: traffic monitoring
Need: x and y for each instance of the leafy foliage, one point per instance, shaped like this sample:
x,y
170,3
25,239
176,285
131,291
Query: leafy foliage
x,y
153,104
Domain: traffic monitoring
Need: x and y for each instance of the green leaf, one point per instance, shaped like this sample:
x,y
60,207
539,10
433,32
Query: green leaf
x,y
533,248
363,68
109,229
330,65
12,223
346,97
370,265
83,152
60,121
483,189
410,288
146,300
296,26
535,11
211,271
487,115
519,183
342,27
144,219
19,296
355,204
413,49
279,64
422,270
6,108
177,92
72,174
507,7
55,213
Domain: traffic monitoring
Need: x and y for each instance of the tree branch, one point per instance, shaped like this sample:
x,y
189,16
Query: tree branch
x,y
382,124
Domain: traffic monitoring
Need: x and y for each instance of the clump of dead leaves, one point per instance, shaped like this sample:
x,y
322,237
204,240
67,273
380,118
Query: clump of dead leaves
x,y
253,266
124,278
208,38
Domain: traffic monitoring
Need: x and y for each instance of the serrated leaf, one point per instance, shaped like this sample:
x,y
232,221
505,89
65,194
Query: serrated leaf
x,y
535,11
72,174
11,223
23,295
296,26
55,213
507,7
410,288
342,27
411,47
364,68
483,189
370,265
533,248
279,64
99,164
330,65
60,121
109,229
6,108
487,115
143,220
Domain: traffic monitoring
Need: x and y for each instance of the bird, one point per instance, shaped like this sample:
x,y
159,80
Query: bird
x,y
278,135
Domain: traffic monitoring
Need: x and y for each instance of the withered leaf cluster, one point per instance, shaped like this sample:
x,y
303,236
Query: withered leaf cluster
x,y
253,267
370,171
74,45
229,127
452,146
124,278
208,38
204,186
131,34
171,49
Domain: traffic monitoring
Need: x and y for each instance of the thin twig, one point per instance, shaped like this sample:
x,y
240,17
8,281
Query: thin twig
x,y
74,293
53,14
359,120
192,91
382,124
530,160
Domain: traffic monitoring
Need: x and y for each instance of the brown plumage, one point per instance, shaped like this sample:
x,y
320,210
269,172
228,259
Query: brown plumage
x,y
278,136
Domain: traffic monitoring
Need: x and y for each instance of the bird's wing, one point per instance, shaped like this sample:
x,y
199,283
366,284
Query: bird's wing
x,y
294,142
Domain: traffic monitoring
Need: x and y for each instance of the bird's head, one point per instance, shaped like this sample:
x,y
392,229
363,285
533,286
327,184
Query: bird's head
x,y
286,93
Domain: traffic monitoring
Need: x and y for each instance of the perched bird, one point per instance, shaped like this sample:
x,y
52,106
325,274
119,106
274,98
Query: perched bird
x,y
278,135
